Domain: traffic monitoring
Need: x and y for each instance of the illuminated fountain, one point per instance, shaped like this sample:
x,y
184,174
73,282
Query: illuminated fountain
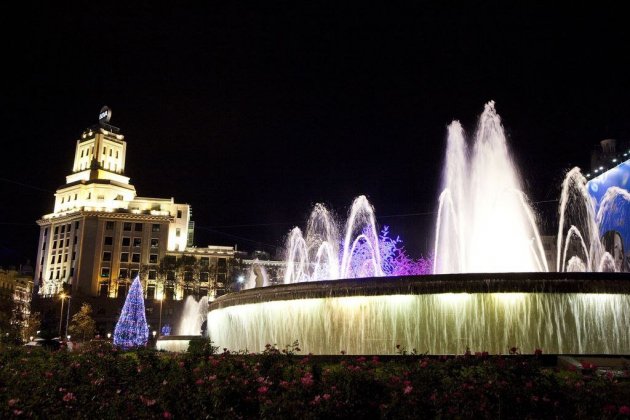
x,y
491,291
317,256
193,316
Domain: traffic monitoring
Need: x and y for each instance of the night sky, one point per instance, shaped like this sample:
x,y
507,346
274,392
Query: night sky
x,y
253,114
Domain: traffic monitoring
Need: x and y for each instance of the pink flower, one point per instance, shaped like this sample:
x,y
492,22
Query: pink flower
x,y
167,415
13,401
408,389
49,374
307,380
326,397
624,410
212,377
199,381
17,412
69,397
146,401
263,390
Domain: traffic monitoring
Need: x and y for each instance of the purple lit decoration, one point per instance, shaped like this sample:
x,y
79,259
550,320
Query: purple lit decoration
x,y
166,329
394,258
396,262
132,329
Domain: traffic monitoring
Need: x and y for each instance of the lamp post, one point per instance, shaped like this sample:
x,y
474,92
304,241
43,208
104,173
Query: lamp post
x,y
160,324
68,314
62,296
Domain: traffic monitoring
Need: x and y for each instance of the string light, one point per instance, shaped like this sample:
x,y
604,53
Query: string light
x,y
132,329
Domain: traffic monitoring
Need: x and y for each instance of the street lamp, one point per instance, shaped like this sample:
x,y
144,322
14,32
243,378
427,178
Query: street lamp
x,y
160,324
68,313
109,335
62,296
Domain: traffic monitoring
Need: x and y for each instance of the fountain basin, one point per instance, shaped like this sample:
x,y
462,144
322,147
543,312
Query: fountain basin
x,y
562,313
174,343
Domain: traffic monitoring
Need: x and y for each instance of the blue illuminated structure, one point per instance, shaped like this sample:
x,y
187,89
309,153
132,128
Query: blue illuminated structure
x,y
132,329
613,225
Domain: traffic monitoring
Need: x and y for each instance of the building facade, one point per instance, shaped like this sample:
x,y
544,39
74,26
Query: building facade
x,y
100,234
16,289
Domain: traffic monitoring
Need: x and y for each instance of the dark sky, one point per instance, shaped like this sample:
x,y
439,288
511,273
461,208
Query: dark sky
x,y
252,115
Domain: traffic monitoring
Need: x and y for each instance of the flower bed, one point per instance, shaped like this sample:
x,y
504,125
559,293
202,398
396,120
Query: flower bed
x,y
101,382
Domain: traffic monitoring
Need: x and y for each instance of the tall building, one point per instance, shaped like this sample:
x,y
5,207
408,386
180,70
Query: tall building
x,y
100,234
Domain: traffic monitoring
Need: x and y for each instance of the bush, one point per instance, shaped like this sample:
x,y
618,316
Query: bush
x,y
100,381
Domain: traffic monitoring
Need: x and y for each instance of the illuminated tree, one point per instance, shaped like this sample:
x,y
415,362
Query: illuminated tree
x,y
132,329
394,258
83,326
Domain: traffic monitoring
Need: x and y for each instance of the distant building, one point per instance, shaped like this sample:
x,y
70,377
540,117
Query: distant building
x,y
607,155
16,289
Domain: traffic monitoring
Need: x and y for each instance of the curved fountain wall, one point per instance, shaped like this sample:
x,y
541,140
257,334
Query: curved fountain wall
x,y
564,313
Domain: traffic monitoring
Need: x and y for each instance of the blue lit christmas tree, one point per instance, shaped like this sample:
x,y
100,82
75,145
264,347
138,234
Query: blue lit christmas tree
x,y
132,329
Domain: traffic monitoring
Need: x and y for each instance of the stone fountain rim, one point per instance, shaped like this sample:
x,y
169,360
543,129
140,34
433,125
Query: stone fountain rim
x,y
553,282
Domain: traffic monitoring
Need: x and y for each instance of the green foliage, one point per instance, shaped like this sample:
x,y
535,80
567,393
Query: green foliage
x,y
99,381
201,347
82,327
33,325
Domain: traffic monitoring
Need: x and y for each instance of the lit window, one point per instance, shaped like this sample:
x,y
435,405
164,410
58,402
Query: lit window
x,y
105,272
154,243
